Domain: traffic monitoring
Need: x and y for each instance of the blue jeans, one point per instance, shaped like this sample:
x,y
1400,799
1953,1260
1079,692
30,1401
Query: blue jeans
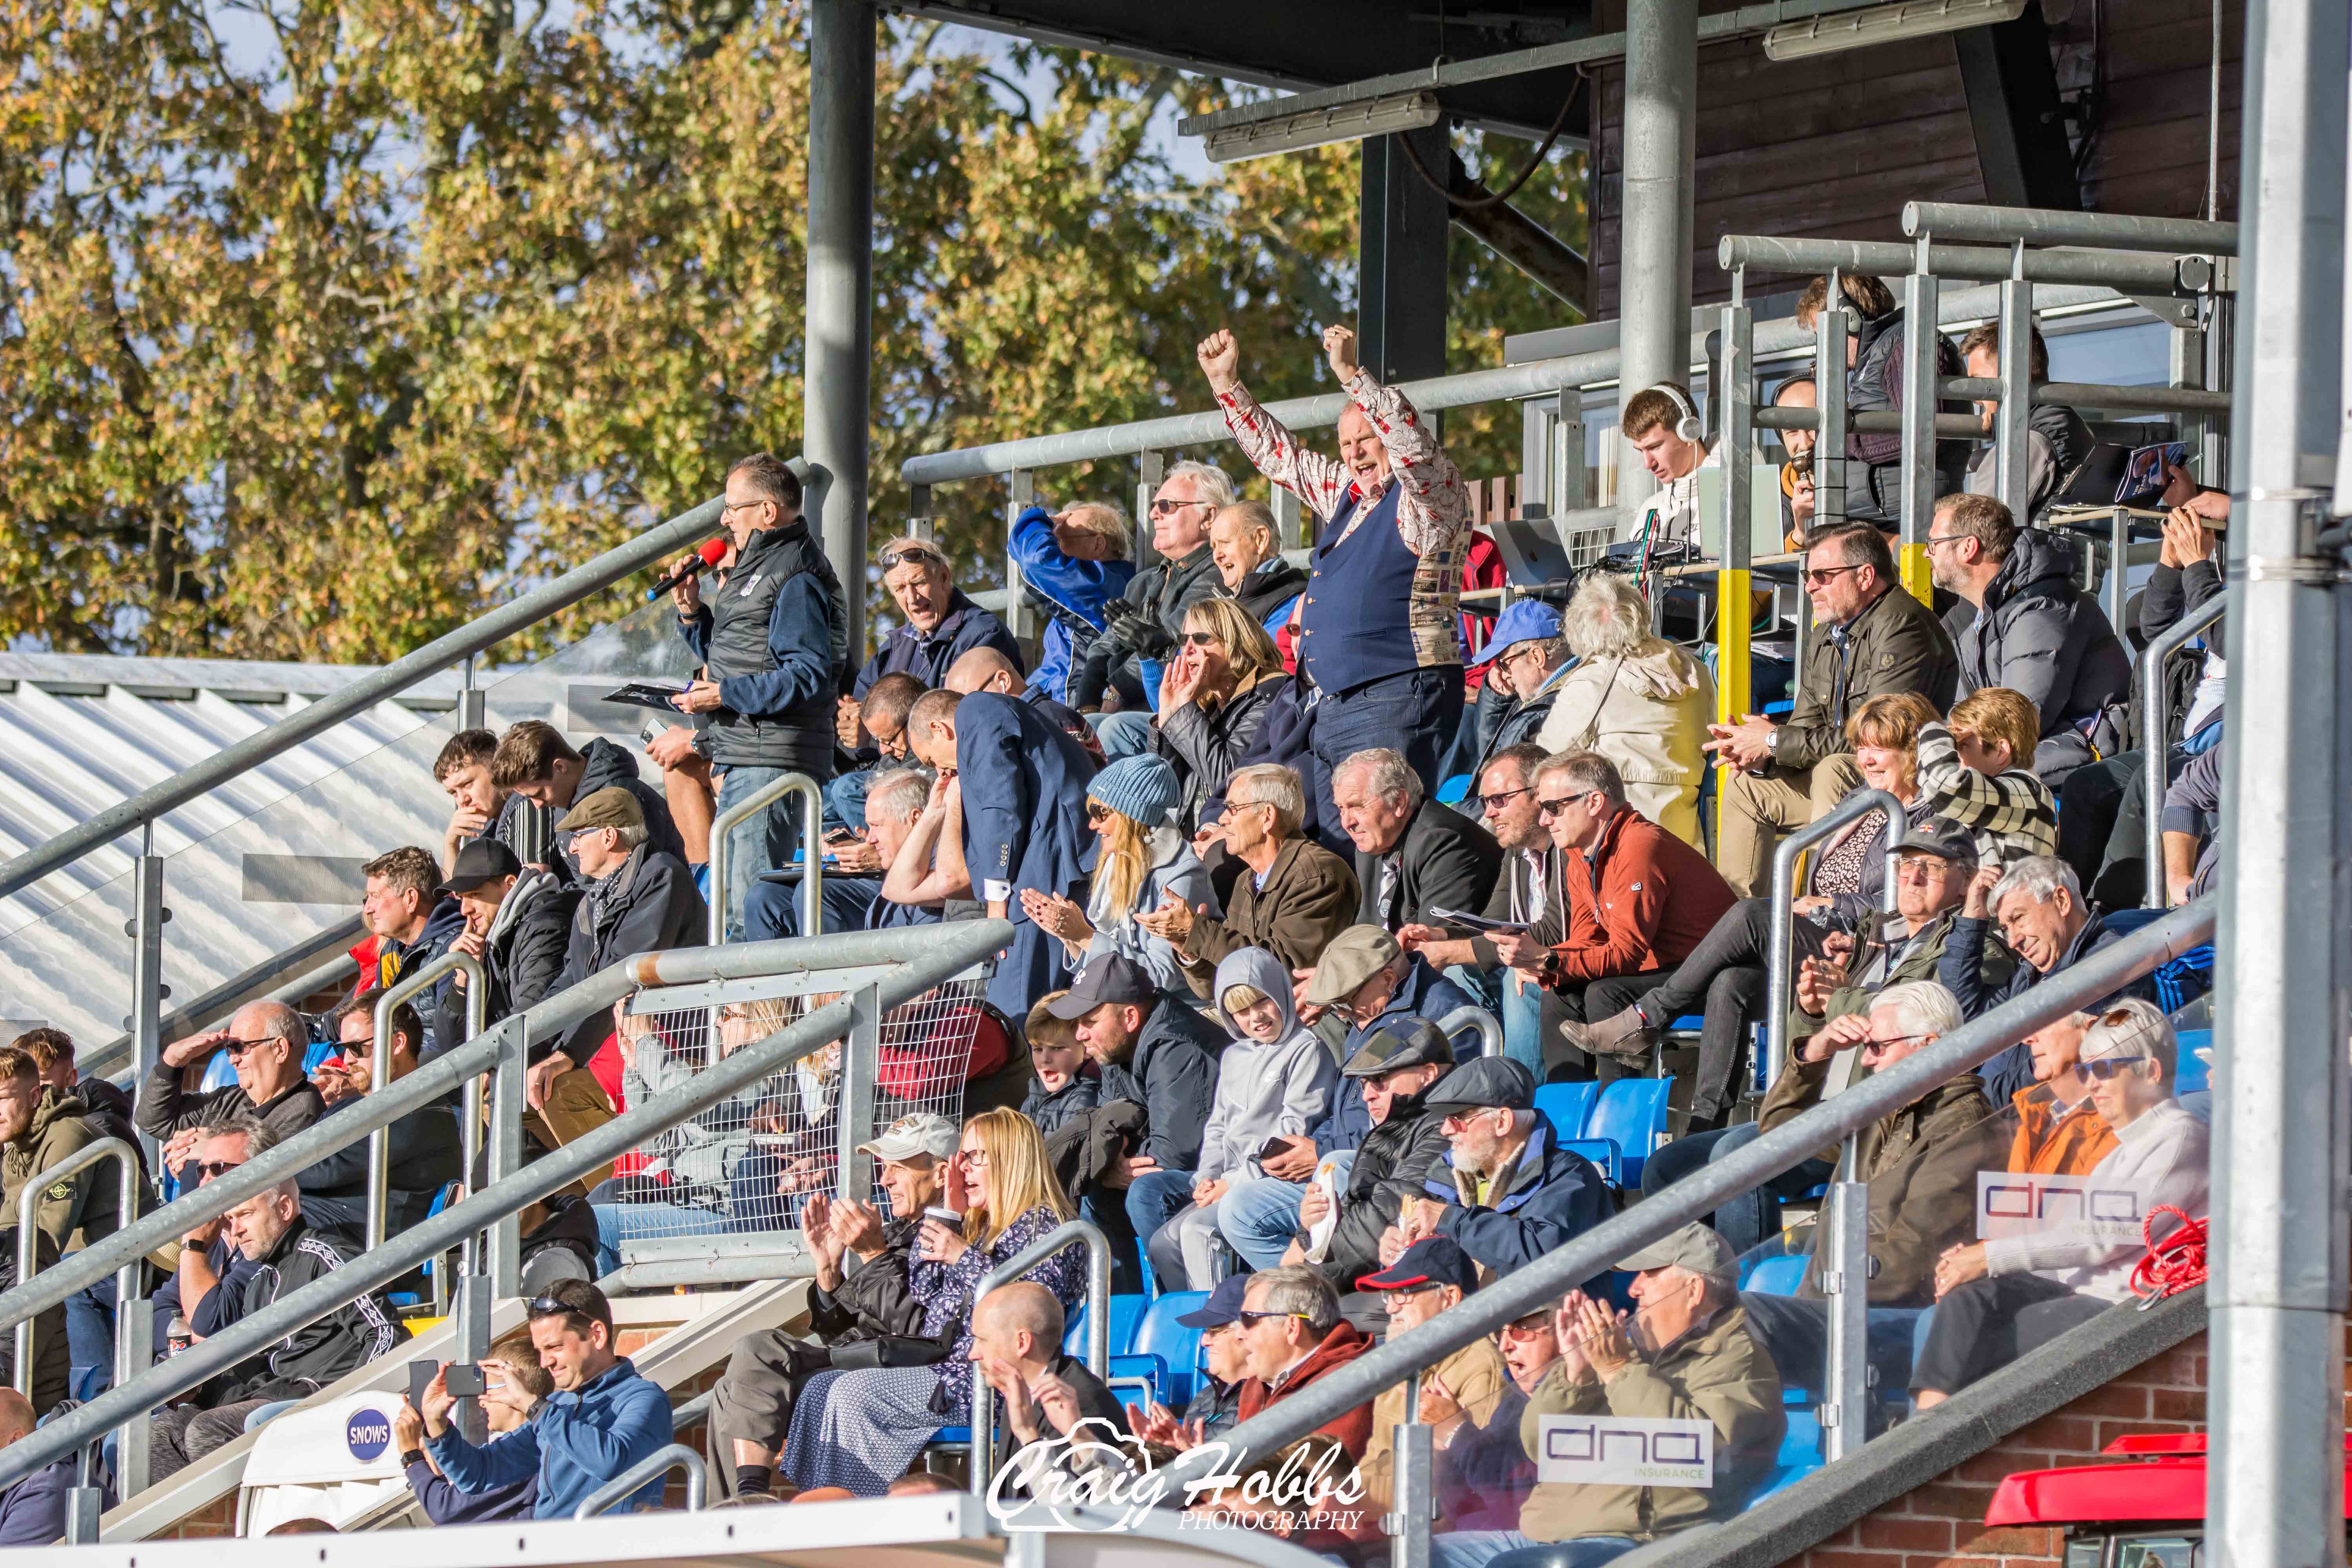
x,y
1416,712
1154,1199
90,1332
619,1223
1522,1016
1477,1548
772,907
1260,1216
762,841
845,796
1125,733
1744,1221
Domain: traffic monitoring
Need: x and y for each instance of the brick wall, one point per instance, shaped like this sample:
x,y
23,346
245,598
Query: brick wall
x,y
1941,1524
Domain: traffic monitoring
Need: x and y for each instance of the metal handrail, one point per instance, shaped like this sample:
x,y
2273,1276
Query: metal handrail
x,y
676,1457
812,851
126,1201
444,1075
1697,1195
2156,718
654,545
983,1398
2091,395
379,1160
1490,1032
2040,225
214,1005
2111,268
1784,901
945,951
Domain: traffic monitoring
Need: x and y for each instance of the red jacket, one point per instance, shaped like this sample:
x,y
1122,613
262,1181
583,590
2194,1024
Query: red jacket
x,y
1655,898
1343,1344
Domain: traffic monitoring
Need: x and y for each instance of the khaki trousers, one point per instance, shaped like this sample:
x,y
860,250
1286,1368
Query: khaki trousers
x,y
1759,809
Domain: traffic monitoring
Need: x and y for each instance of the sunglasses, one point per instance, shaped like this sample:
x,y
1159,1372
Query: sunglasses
x,y
1897,1040
213,1170
236,1048
1163,506
1202,639
1247,1316
548,1307
1495,801
2105,1067
1825,575
1556,807
1097,812
912,552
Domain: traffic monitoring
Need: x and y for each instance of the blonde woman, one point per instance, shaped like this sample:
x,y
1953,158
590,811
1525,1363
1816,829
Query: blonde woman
x,y
1637,700
860,1429
1213,699
1140,858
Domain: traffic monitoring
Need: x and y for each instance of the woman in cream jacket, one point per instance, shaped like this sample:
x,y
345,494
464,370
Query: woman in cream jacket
x,y
1637,700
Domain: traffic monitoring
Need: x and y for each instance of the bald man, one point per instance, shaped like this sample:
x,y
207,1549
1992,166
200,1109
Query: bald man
x,y
33,1510
1016,1348
265,1042
985,670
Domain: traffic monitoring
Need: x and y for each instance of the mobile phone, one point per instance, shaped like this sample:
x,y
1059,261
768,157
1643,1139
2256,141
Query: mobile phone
x,y
464,1379
420,1378
1272,1147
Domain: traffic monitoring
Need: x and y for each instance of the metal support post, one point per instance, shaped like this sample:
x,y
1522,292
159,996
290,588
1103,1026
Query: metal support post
x,y
506,1157
473,702
861,1058
2118,558
1289,517
1778,983
918,513
1150,470
1921,337
379,1157
1735,396
148,918
2275,1484
840,320
1846,1280
469,1310
1829,393
2013,474
84,1502
1021,493
1653,253
1413,1489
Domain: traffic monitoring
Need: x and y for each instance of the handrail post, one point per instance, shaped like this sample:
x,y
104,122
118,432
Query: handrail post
x,y
507,1092
1020,490
148,917
983,1398
812,859
2154,720
1846,1280
2013,474
134,1327
1735,400
379,1160
1784,900
675,1457
1413,1490
861,1066
1923,336
1828,395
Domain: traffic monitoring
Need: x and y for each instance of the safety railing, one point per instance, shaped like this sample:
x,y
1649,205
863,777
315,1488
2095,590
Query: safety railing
x,y
2156,725
1858,803
1069,1234
653,1465
722,867
1490,1031
925,957
134,1328
469,1130
1403,1357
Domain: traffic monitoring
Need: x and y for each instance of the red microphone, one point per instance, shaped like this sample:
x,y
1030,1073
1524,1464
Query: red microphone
x,y
712,552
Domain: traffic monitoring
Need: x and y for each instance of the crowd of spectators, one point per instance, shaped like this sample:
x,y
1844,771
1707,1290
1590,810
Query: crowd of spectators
x,y
1253,932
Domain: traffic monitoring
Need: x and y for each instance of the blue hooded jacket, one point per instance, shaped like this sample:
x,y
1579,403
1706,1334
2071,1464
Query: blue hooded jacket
x,y
573,1444
1551,1197
1074,592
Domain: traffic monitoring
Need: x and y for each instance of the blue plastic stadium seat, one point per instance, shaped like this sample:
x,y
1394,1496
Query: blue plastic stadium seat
x,y
1688,1023
1800,1455
1776,1275
1453,791
1176,1348
1567,1106
1126,1312
1602,1151
1633,1112
1779,710
2195,1072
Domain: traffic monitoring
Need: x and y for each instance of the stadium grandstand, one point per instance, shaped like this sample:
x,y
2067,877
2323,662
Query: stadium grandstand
x,y
1768,985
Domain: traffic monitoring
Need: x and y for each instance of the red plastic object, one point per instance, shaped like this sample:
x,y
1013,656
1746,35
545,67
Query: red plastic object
x,y
2168,1487
2158,1443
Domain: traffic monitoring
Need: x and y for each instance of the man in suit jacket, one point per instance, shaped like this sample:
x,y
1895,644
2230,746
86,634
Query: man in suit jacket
x,y
1412,855
1023,796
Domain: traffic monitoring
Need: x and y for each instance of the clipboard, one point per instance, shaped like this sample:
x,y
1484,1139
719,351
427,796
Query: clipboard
x,y
646,694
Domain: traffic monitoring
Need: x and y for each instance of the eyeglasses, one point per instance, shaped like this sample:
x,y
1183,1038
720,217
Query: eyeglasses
x,y
1202,639
213,1170
1933,540
1896,1040
1162,506
1494,802
1824,576
912,552
975,1156
1921,867
734,506
2105,1067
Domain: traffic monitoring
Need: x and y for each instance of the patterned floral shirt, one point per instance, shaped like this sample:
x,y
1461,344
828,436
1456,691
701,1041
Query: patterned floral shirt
x,y
1432,514
946,1291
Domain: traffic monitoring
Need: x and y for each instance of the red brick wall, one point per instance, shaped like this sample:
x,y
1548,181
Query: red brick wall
x,y
1941,1524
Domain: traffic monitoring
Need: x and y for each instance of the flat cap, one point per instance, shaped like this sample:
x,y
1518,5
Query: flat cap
x,y
1693,1246
1482,1083
1352,957
1399,1043
612,806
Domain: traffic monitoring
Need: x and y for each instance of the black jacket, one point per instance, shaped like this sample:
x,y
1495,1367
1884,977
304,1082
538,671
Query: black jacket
x,y
52,1354
1205,748
1065,1104
1396,1158
873,1305
523,955
2040,636
165,1108
1961,971
343,1341
1145,620
395,960
1170,1071
426,1157
1445,861
1272,583
649,905
603,764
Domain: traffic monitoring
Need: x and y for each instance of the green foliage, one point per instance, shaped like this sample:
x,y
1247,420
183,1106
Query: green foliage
x,y
315,350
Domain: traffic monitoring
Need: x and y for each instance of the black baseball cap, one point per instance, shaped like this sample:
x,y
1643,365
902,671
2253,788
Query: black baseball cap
x,y
1482,1083
1432,1260
1108,977
480,860
1223,1305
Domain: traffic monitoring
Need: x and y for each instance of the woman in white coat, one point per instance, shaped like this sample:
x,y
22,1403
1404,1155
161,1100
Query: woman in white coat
x,y
1636,698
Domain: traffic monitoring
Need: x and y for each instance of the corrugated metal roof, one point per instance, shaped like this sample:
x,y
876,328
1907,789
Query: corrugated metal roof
x,y
265,862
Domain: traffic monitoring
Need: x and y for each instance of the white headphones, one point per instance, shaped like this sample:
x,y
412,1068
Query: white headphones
x,y
1686,429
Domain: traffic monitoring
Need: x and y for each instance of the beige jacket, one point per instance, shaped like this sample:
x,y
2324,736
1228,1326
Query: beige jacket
x,y
1648,715
1475,1376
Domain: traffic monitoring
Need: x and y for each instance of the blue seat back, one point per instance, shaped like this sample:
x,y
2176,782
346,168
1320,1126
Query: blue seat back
x,y
1632,1112
1776,1275
1567,1106
1126,1312
2195,1073
1603,1152
1177,1346
1453,789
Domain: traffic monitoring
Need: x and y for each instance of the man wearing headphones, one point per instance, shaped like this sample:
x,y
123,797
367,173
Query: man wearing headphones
x,y
1663,424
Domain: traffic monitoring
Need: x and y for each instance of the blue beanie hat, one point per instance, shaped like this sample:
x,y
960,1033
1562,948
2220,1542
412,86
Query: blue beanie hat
x,y
1143,787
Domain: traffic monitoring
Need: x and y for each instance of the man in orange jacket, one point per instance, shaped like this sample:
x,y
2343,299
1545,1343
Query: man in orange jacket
x,y
2056,1137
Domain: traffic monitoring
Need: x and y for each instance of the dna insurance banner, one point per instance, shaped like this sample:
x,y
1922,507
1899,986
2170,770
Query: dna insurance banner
x,y
1626,1450
2057,1208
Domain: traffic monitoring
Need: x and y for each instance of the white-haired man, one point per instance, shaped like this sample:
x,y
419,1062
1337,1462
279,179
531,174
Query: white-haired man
x,y
1413,856
1378,634
894,803
1146,622
1920,1163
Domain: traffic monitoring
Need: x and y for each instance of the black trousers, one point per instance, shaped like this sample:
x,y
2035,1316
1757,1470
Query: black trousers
x,y
1725,976
1985,1324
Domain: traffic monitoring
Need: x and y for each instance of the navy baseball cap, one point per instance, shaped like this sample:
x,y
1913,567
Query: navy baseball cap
x,y
1432,1260
1223,1305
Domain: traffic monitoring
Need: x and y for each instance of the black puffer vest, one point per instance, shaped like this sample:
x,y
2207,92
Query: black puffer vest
x,y
1875,494
800,737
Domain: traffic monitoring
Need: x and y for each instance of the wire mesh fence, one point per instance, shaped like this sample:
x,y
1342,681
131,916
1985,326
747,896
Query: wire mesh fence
x,y
747,1163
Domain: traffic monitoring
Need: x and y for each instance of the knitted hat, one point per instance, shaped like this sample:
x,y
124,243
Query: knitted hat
x,y
1143,787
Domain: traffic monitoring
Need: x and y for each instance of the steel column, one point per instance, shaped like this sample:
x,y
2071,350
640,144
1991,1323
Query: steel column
x,y
861,1065
1288,532
148,917
1020,492
839,349
1922,335
1413,1487
1654,247
506,1091
2012,473
1150,472
473,702
1735,400
1828,395
1846,1280
2275,1486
